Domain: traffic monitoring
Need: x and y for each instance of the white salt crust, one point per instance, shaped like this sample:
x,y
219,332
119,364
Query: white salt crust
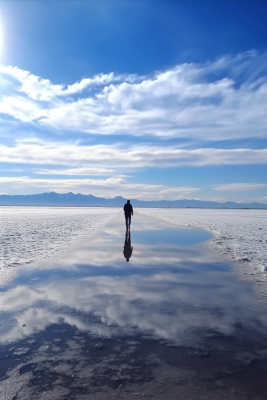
x,y
240,236
33,235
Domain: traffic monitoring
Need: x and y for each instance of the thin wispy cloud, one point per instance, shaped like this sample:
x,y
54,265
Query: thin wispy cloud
x,y
38,88
115,186
123,156
241,186
76,171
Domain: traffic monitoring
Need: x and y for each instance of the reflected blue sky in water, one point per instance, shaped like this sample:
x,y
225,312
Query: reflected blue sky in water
x,y
172,236
170,289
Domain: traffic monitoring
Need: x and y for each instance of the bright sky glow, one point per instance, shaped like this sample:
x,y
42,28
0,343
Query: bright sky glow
x,y
103,98
1,39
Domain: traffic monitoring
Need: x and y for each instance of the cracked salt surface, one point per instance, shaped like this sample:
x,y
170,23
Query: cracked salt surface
x,y
42,235
240,236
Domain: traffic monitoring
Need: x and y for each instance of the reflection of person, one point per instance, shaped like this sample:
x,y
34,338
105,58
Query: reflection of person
x,y
128,212
128,249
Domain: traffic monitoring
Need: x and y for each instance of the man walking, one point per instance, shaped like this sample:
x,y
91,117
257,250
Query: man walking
x,y
128,212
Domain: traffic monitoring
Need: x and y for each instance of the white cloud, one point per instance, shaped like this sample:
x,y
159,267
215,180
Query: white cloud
x,y
259,199
189,100
20,108
110,187
76,171
38,88
217,199
121,158
241,186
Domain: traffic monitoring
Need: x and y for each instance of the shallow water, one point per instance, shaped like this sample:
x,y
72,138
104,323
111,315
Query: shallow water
x,y
170,322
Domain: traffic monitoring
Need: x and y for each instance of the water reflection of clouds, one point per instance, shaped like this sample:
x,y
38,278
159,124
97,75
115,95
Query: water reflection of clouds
x,y
167,290
167,305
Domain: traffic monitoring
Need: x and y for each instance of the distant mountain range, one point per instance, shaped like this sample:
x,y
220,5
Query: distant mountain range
x,y
71,199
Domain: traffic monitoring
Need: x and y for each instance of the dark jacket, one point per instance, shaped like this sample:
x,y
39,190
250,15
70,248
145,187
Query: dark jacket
x,y
128,209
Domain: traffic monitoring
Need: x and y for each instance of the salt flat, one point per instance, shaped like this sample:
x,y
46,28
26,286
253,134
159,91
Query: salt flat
x,y
38,234
32,235
240,236
171,321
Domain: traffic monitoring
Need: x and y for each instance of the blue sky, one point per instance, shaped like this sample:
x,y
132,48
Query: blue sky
x,y
144,99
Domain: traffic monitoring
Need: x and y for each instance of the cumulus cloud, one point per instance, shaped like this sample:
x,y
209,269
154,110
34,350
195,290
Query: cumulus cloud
x,y
98,157
188,100
241,186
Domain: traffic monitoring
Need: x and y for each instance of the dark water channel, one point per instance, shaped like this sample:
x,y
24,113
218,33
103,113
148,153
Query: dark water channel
x,y
168,324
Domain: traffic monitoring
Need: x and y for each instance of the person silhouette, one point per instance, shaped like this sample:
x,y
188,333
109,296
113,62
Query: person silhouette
x,y
127,249
128,212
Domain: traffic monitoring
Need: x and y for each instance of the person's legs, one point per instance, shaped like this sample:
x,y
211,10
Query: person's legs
x,y
127,221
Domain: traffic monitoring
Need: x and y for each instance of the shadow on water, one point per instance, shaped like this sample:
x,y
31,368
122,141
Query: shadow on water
x,y
170,322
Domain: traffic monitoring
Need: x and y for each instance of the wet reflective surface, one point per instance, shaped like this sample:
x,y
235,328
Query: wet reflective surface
x,y
140,313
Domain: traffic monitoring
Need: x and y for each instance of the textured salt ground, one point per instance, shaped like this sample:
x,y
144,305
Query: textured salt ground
x,y
45,235
168,384
124,369
240,236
